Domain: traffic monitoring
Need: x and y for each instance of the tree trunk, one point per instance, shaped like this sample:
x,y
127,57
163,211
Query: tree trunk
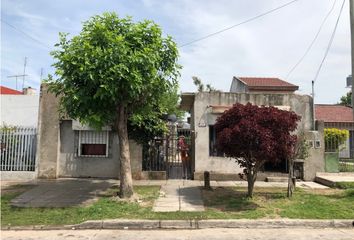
x,y
251,178
290,180
126,182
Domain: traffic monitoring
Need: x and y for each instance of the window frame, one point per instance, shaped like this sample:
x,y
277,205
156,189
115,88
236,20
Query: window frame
x,y
93,156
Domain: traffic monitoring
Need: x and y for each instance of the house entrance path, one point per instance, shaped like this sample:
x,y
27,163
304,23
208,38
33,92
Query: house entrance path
x,y
179,195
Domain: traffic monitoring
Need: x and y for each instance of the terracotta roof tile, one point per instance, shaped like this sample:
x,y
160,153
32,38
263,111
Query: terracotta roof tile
x,y
274,83
9,91
333,113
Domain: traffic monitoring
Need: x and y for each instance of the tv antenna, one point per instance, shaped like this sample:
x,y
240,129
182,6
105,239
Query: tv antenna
x,y
21,75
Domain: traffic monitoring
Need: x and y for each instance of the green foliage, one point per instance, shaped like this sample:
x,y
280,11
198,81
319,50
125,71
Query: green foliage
x,y
200,86
8,128
344,185
116,62
346,99
335,137
301,147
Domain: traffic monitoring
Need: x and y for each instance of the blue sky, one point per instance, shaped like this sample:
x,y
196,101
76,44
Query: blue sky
x,y
266,47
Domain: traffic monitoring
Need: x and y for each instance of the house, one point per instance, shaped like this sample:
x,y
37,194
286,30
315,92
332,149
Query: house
x,y
205,107
19,108
67,148
341,117
261,85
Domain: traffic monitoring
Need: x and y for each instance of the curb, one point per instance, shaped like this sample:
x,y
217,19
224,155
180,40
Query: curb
x,y
192,224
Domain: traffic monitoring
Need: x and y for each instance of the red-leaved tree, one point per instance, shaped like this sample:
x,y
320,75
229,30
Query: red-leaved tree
x,y
254,135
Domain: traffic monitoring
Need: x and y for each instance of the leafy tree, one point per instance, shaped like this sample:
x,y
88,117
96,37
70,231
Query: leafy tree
x,y
254,135
145,127
346,99
114,72
199,84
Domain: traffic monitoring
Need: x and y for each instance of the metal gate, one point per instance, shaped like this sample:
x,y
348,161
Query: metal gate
x,y
18,149
166,153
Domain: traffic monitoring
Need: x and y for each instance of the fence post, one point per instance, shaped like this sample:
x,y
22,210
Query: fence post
x,y
207,180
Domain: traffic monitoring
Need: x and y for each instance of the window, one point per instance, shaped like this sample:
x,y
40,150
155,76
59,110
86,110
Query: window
x,y
93,143
212,143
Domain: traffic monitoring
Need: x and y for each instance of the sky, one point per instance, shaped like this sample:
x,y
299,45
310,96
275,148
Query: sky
x,y
266,47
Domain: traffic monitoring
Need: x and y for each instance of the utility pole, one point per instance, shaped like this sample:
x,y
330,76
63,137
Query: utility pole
x,y
351,9
41,75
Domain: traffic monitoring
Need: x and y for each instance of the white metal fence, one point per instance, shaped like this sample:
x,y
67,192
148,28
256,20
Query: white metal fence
x,y
18,148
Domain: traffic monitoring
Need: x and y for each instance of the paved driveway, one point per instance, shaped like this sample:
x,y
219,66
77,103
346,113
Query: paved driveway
x,y
62,193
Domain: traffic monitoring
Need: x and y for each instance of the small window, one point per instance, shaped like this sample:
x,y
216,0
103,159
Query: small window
x,y
212,143
317,144
93,143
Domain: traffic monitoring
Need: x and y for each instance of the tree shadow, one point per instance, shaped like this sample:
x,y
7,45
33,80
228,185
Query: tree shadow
x,y
228,199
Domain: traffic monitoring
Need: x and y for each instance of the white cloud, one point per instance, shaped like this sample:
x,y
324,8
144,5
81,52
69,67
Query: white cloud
x,y
268,46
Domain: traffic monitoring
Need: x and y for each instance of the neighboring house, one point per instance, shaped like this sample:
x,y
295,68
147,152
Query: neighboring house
x,y
261,85
341,117
205,107
19,108
18,121
68,149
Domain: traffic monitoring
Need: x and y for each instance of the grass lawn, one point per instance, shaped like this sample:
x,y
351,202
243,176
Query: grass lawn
x,y
345,185
273,203
220,203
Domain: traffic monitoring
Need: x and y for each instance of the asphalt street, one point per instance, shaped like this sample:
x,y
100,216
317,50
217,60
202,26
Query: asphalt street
x,y
210,234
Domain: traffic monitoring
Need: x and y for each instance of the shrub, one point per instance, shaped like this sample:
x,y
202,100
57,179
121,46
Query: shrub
x,y
335,137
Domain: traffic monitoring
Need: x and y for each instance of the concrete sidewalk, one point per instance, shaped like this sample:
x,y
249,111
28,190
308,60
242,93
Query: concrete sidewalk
x,y
331,179
179,195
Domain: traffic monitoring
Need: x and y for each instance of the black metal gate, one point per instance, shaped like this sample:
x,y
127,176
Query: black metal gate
x,y
167,154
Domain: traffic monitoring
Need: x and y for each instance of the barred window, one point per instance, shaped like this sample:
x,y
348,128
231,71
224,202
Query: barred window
x,y
93,143
212,143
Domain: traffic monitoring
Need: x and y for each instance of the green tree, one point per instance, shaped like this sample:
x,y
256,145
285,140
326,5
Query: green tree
x,y
114,72
346,99
200,85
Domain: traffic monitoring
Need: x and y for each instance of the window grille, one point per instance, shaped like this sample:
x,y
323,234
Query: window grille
x,y
93,143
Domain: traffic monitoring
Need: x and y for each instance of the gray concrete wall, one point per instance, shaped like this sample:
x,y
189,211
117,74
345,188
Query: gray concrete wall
x,y
57,153
203,117
71,165
237,86
315,162
19,110
48,135
17,175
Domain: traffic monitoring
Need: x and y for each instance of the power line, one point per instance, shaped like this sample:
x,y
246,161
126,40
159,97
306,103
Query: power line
x,y
238,24
24,33
329,43
313,41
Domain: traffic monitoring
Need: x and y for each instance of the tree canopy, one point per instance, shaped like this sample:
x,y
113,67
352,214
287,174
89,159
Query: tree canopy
x,y
254,135
114,61
116,72
200,85
346,99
